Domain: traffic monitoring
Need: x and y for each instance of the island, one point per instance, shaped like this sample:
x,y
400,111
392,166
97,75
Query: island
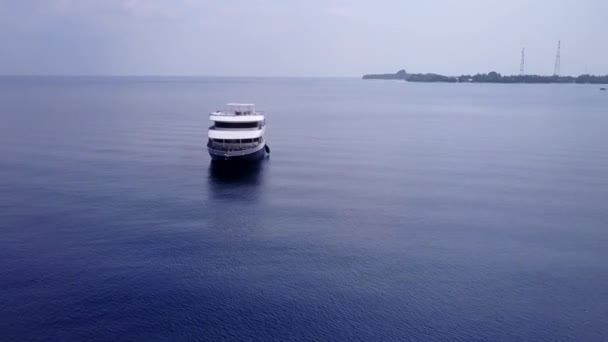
x,y
491,77
399,75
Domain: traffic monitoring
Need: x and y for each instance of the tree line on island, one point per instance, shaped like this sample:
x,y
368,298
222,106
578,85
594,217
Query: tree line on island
x,y
491,77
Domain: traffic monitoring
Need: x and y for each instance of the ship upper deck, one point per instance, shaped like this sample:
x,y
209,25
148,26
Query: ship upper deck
x,y
237,112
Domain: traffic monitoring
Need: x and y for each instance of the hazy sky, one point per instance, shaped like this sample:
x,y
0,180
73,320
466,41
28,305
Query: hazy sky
x,y
300,38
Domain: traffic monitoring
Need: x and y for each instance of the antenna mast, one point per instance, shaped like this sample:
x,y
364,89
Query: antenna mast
x,y
521,64
557,59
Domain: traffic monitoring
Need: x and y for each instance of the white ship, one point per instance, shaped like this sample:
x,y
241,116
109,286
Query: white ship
x,y
237,133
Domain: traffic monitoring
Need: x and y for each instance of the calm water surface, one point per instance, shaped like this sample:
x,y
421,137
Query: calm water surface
x,y
387,211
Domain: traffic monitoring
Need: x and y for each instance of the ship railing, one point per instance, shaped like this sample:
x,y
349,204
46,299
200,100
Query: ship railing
x,y
232,146
239,113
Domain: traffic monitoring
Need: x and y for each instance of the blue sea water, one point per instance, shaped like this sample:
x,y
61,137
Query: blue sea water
x,y
388,211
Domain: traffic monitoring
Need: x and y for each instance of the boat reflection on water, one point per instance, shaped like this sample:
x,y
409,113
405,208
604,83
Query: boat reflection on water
x,y
229,172
229,180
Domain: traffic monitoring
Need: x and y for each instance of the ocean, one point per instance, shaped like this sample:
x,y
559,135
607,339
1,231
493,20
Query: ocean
x,y
387,211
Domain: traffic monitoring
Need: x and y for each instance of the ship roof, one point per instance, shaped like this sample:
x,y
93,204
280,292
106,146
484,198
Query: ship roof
x,y
240,104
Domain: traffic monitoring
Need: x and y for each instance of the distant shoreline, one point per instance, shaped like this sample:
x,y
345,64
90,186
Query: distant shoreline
x,y
491,77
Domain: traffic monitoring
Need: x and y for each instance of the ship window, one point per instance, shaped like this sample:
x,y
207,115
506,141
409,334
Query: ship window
x,y
236,141
220,124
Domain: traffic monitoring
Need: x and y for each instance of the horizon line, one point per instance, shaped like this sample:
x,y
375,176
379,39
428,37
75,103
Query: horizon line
x,y
169,75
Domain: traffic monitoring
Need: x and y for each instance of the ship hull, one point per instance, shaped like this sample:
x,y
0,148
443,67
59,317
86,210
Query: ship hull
x,y
251,155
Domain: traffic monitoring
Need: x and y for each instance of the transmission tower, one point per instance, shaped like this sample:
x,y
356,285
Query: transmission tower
x,y
521,64
557,59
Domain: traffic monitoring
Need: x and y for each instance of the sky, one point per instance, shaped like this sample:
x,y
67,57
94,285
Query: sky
x,y
300,38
